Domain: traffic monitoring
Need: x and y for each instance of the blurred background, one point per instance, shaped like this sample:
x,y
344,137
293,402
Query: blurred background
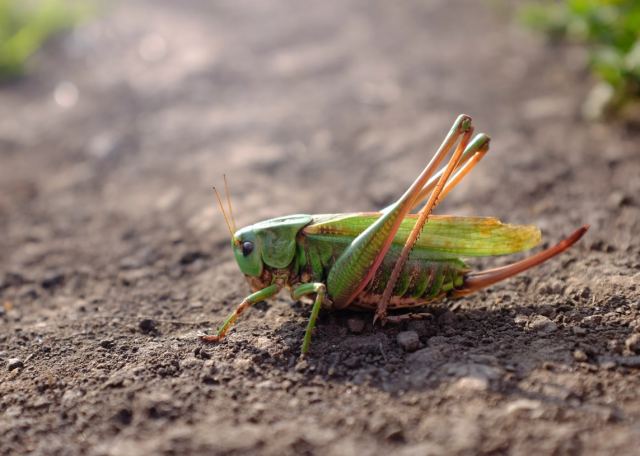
x,y
156,100
116,118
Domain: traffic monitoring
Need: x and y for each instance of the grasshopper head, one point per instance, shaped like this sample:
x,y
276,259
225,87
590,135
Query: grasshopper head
x,y
271,243
246,249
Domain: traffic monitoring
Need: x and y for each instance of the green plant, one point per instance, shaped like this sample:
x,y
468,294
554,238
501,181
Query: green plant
x,y
610,29
26,24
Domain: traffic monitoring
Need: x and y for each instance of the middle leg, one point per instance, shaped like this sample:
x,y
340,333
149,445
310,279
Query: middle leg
x,y
308,288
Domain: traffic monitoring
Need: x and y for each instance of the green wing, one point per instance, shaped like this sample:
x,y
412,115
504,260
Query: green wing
x,y
463,236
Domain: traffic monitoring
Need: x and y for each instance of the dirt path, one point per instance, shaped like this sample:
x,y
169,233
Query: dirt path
x,y
113,256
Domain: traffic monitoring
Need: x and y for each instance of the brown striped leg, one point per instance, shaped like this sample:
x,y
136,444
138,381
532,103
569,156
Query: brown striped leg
x,y
480,142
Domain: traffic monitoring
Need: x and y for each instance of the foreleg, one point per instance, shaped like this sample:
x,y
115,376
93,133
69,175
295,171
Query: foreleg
x,y
250,300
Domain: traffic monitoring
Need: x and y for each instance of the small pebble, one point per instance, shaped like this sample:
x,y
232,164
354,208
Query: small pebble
x,y
52,280
15,363
580,356
196,304
355,325
107,343
124,416
633,343
521,320
147,325
471,384
409,341
191,257
302,365
519,405
542,324
619,199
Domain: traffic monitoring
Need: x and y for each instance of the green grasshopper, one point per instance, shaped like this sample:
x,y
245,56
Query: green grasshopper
x,y
392,259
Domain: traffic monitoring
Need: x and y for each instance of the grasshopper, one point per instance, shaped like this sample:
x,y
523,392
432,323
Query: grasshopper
x,y
388,260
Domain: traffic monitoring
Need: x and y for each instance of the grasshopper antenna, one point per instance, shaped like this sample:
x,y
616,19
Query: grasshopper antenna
x,y
228,195
224,214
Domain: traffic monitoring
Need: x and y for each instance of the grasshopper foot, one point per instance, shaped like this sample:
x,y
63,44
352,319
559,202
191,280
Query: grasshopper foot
x,y
212,338
380,315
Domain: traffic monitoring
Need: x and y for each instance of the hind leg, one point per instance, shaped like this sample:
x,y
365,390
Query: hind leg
x,y
358,264
247,302
480,144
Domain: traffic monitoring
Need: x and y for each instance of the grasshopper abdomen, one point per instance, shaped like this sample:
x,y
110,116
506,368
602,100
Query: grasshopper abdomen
x,y
420,282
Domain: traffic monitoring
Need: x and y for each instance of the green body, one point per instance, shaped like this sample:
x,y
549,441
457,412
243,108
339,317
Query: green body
x,y
305,248
427,275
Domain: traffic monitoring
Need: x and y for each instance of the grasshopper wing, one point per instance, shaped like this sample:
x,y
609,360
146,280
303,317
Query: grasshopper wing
x,y
446,234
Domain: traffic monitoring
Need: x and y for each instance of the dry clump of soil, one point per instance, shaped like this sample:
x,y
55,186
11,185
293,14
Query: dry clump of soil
x,y
113,258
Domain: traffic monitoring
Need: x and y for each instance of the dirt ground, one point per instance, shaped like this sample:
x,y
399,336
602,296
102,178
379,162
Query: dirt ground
x,y
114,258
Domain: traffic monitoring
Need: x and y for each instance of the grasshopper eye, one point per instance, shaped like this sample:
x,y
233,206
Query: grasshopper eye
x,y
247,248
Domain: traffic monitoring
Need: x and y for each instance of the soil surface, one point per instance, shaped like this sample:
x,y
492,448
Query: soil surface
x,y
114,258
